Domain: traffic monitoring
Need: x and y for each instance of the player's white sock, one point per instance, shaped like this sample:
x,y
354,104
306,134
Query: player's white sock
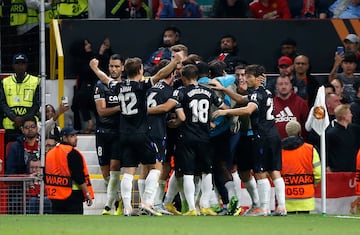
x,y
280,192
126,187
197,182
141,187
112,188
264,188
150,186
206,188
172,190
237,187
252,189
106,181
189,191
230,188
160,192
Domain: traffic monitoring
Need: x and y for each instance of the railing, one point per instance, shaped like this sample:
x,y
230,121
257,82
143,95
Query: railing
x,y
13,194
57,55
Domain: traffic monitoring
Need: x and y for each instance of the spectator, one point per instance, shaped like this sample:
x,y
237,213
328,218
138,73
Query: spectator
x,y
352,43
66,176
51,116
286,68
230,9
345,9
270,9
309,8
170,37
23,148
288,47
300,161
179,9
131,9
288,107
355,105
70,9
302,72
342,142
228,52
83,102
50,143
33,191
19,98
339,90
347,61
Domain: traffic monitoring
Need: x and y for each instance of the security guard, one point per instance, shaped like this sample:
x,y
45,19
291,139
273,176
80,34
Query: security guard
x,y
19,97
67,179
71,9
301,170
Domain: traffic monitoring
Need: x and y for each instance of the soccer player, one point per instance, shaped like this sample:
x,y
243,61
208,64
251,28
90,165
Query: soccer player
x,y
193,153
266,142
107,125
135,143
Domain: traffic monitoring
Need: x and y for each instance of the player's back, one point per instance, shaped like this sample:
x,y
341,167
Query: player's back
x,y
263,119
196,101
156,95
132,99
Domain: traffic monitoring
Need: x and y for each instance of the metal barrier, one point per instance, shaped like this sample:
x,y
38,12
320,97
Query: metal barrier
x,y
13,194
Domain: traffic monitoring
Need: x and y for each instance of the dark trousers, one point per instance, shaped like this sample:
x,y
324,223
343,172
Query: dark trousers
x,y
71,205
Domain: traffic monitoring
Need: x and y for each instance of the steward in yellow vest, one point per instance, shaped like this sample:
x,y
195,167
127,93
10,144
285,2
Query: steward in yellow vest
x,y
19,95
71,9
67,180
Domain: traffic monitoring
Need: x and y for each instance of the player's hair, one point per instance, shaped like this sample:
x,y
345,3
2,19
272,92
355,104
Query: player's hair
x,y
190,71
132,66
255,69
178,48
117,57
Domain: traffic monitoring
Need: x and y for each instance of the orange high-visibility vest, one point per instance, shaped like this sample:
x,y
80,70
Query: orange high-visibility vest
x,y
358,173
297,172
58,182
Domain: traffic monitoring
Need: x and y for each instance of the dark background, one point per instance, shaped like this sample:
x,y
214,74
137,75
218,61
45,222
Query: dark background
x,y
258,40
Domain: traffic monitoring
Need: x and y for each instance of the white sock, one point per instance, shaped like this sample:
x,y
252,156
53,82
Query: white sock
x,y
160,192
206,188
230,188
141,187
112,188
126,187
180,185
106,181
264,188
214,198
172,190
237,187
252,189
280,192
189,191
197,182
151,183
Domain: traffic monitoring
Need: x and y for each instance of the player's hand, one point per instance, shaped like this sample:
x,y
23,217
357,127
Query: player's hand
x,y
262,77
94,64
177,58
89,200
214,84
219,113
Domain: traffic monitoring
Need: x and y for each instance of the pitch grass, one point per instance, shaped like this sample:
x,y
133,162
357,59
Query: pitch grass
x,y
176,225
